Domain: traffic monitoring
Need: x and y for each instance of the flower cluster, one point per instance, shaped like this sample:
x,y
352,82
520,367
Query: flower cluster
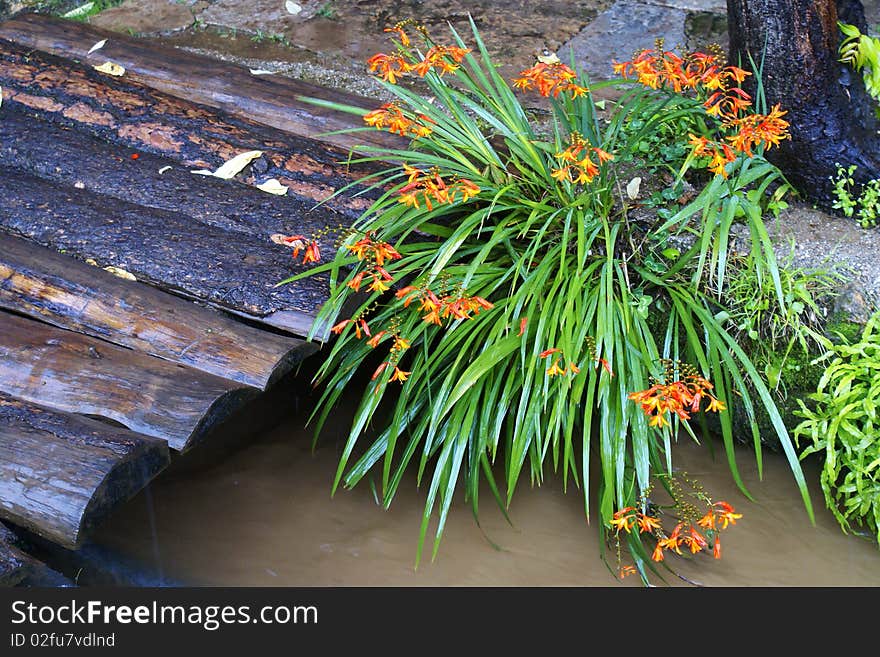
x,y
550,78
374,253
430,186
682,396
577,161
441,59
391,116
694,531
436,307
717,86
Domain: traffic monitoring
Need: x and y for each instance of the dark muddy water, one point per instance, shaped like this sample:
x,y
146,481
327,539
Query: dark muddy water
x,y
259,513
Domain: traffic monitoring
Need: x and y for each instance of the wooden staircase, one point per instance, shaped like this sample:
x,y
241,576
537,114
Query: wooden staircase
x,y
138,301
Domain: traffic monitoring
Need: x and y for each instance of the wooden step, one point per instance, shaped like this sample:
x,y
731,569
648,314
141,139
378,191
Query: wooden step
x,y
231,269
61,474
71,372
68,293
75,158
271,100
15,565
120,111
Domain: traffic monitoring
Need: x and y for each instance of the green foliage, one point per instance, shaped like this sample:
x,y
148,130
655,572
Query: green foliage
x,y
862,52
842,425
769,331
867,202
327,10
615,290
73,11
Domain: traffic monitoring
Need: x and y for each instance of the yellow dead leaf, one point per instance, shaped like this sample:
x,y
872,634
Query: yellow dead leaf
x,y
273,187
231,167
92,262
117,271
632,188
110,68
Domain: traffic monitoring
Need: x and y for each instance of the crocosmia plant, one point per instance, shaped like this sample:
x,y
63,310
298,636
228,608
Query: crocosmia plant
x,y
537,293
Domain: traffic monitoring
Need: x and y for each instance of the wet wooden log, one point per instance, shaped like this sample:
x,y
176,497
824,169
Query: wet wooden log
x,y
77,159
61,474
231,269
66,292
14,564
123,112
271,100
74,373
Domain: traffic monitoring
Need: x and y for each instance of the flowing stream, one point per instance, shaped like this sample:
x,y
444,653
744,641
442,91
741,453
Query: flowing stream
x,y
258,512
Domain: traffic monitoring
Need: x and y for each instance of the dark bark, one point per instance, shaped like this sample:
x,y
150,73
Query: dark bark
x,y
831,115
61,474
270,100
74,373
63,291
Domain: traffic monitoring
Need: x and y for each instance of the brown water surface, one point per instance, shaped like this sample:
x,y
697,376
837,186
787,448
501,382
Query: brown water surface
x,y
261,514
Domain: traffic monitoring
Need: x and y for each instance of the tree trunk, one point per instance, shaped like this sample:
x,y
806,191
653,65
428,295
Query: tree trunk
x,y
831,115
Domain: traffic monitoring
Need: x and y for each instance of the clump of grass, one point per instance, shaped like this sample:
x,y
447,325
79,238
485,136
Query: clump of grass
x,y
516,305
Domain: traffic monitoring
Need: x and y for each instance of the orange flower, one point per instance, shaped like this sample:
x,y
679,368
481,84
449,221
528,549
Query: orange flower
x,y
547,352
580,168
605,366
355,283
624,519
337,329
522,325
626,570
312,254
554,369
376,339
388,67
657,555
727,515
648,523
404,39
677,397
399,374
549,79
379,371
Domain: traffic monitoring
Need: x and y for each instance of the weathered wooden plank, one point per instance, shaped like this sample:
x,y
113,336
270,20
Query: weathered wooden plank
x,y
122,112
71,372
232,269
66,292
14,564
78,159
61,474
270,100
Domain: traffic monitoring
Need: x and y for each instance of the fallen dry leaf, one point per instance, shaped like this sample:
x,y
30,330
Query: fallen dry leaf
x,y
110,69
293,7
97,46
231,167
632,188
273,187
288,240
261,71
117,271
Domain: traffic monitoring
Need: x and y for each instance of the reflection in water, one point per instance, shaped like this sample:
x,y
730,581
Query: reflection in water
x,y
262,515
